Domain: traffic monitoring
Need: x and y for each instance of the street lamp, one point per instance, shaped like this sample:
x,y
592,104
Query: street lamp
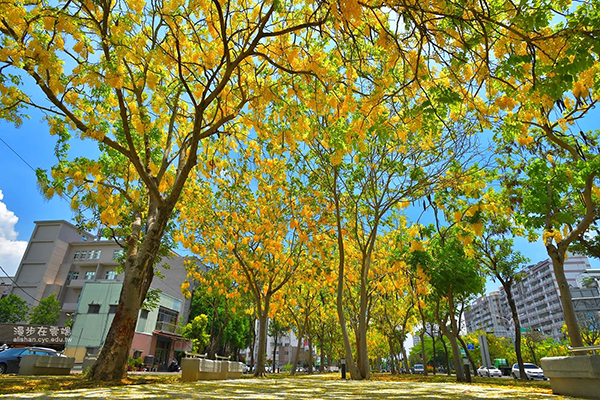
x,y
511,323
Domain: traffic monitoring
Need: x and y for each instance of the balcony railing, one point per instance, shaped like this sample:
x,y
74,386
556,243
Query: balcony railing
x,y
164,326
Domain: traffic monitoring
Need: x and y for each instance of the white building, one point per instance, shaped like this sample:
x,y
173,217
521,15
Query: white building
x,y
485,314
537,299
285,350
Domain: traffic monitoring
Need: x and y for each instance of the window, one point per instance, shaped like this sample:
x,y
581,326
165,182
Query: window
x,y
76,257
73,275
93,308
90,275
142,320
166,320
117,254
83,254
84,238
112,309
111,275
167,316
91,351
98,254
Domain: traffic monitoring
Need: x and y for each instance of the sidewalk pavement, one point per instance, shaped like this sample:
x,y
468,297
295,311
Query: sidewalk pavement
x,y
307,388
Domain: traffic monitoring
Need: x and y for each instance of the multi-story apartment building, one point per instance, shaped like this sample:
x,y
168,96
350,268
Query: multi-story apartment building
x,y
77,267
485,313
537,299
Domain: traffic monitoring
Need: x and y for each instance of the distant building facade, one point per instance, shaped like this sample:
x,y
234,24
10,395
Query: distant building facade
x,y
157,333
83,274
5,286
285,350
487,314
537,299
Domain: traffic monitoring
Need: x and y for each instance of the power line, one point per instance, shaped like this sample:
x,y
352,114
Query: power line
x,y
16,284
17,154
61,195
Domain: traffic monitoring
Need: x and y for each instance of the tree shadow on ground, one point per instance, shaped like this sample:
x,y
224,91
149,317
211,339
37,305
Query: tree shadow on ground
x,y
308,388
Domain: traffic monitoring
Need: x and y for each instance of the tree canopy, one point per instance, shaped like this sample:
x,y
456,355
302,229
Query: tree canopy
x,y
284,140
47,312
13,309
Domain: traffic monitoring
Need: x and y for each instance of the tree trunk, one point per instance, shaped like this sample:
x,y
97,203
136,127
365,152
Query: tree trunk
x,y
515,315
354,374
111,364
112,360
423,353
262,339
252,339
458,367
434,353
215,340
404,357
422,337
558,261
275,351
531,348
392,355
310,356
362,351
446,354
297,355
329,350
460,374
322,344
460,377
467,352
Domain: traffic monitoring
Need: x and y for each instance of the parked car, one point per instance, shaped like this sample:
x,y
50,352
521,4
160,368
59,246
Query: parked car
x,y
11,358
418,369
531,370
247,369
490,372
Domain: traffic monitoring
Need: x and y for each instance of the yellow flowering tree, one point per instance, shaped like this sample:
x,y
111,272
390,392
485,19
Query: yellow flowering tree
x,y
148,81
247,218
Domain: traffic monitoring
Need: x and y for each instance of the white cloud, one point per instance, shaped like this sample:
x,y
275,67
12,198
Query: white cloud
x,y
11,250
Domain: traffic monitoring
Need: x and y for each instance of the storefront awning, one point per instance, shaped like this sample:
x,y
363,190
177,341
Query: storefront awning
x,y
169,335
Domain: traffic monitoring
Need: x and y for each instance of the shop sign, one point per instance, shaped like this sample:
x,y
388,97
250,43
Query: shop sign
x,y
33,334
